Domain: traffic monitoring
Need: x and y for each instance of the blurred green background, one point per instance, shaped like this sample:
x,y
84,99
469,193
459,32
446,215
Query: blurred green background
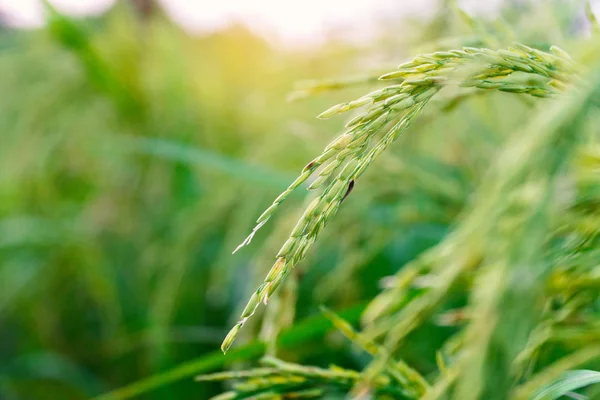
x,y
135,157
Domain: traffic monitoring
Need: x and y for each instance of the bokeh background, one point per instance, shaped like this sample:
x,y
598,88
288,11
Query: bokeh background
x,y
139,141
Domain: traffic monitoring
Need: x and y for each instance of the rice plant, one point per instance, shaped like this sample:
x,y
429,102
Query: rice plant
x,y
517,239
446,247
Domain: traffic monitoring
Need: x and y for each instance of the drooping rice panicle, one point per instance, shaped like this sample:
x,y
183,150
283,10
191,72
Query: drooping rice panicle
x,y
351,153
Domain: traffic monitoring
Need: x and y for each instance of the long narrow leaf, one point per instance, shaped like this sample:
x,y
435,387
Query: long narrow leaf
x,y
570,381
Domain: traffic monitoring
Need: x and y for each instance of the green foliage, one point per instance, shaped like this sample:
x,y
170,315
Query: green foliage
x,y
457,215
570,381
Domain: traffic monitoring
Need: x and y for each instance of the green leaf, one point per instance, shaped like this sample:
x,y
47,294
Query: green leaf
x,y
570,381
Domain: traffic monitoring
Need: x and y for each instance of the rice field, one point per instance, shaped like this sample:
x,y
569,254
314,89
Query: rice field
x,y
433,234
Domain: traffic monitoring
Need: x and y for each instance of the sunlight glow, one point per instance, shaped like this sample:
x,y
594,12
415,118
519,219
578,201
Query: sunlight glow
x,y
288,22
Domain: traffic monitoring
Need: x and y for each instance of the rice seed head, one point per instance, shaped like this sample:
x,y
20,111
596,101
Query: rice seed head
x,y
268,212
287,247
329,168
277,269
230,338
354,121
327,154
251,305
334,110
395,99
419,80
344,107
404,104
392,75
348,169
321,179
